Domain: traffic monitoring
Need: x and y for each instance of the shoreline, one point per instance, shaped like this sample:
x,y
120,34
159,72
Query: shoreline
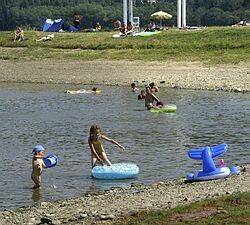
x,y
186,75
92,208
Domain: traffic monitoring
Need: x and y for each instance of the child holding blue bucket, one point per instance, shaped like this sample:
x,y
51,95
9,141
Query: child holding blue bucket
x,y
37,165
98,154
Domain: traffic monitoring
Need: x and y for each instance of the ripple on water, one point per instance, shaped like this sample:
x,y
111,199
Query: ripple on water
x,y
158,143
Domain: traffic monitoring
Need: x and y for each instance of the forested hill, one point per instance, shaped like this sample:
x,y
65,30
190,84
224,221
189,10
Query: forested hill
x,y
29,13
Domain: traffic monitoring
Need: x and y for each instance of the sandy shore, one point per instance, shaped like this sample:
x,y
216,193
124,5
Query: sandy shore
x,y
168,74
107,205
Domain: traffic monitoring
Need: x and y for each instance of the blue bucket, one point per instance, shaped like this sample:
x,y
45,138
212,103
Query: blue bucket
x,y
50,161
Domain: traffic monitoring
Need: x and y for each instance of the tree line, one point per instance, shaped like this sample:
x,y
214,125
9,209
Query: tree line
x,y
29,13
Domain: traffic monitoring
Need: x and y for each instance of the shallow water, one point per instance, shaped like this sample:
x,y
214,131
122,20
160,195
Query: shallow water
x,y
158,143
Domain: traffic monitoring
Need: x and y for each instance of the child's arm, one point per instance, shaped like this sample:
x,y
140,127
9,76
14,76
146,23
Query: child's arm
x,y
113,141
154,96
43,165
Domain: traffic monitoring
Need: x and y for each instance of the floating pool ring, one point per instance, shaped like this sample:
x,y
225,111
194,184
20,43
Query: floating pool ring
x,y
165,109
82,92
116,171
50,161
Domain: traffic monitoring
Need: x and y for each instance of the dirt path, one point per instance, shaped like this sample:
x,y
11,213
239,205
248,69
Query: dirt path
x,y
169,74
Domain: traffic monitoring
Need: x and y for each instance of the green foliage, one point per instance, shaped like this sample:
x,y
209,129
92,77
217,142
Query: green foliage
x,y
230,210
29,13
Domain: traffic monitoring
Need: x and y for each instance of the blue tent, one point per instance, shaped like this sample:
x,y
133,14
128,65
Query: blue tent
x,y
52,25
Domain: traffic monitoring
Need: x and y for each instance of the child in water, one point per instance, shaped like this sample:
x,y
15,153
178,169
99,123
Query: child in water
x,y
134,88
37,165
98,154
150,98
142,95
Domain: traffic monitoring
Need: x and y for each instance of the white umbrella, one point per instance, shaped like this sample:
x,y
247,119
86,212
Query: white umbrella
x,y
160,16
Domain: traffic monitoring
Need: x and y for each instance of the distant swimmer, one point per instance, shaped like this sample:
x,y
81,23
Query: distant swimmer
x,y
142,95
134,88
94,90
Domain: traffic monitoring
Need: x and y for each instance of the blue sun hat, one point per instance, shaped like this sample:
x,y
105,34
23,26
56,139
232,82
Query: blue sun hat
x,y
38,148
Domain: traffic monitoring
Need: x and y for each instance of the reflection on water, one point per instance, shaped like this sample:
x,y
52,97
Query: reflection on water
x,y
36,195
157,143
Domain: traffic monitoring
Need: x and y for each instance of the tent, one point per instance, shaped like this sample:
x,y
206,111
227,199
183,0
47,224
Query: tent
x,y
52,25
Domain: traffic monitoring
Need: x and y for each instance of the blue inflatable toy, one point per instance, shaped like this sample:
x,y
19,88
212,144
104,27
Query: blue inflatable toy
x,y
235,170
116,171
50,161
209,170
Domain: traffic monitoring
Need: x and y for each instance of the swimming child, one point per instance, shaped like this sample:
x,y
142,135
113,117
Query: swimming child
x,y
93,90
37,165
134,88
142,95
98,154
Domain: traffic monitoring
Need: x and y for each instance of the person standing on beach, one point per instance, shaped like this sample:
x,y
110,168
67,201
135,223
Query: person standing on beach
x,y
98,154
37,165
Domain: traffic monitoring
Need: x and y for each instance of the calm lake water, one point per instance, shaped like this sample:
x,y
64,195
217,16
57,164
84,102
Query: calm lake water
x,y
34,114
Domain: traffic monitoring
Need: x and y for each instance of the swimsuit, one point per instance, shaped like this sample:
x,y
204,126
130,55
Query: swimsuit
x,y
98,146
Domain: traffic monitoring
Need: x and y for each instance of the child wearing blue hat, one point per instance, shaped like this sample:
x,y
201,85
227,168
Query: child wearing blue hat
x,y
37,165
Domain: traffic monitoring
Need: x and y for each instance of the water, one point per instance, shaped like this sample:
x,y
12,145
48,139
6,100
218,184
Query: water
x,y
158,143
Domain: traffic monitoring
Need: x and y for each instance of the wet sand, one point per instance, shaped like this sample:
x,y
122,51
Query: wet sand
x,y
168,74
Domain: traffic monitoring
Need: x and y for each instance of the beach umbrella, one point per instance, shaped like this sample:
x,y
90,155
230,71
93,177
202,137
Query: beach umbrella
x,y
160,16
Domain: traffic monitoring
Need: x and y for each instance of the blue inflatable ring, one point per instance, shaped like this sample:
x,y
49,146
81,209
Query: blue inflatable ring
x,y
116,171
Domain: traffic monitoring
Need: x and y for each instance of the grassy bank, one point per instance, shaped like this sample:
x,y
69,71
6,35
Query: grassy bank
x,y
233,209
224,45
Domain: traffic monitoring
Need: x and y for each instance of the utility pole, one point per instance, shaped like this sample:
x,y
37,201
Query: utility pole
x,y
128,11
181,13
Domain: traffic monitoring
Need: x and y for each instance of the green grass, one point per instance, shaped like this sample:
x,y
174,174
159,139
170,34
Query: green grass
x,y
230,210
217,45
